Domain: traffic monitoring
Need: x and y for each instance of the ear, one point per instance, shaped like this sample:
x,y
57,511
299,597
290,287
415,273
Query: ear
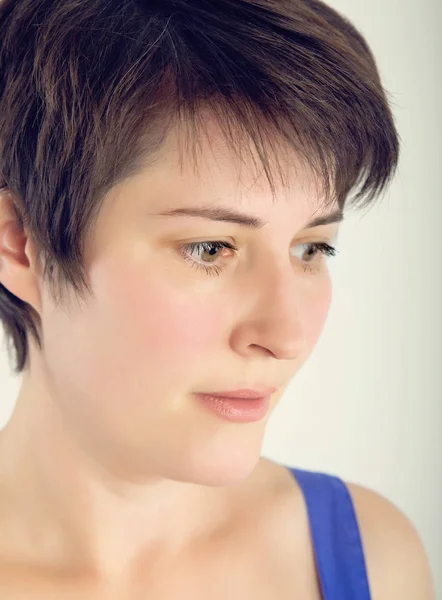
x,y
19,272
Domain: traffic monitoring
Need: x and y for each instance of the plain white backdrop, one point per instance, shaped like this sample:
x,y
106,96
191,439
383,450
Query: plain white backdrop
x,y
367,405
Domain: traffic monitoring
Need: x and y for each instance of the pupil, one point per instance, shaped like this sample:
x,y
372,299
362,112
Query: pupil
x,y
211,251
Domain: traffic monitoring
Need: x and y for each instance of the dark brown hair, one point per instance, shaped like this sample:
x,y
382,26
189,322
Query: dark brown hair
x,y
89,89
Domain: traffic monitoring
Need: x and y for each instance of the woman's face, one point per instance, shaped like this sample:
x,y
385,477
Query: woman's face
x,y
123,368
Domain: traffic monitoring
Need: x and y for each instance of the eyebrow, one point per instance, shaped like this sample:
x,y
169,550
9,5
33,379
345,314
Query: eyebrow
x,y
221,213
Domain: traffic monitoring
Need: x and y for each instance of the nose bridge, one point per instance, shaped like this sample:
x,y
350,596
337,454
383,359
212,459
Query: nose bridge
x,y
280,293
277,310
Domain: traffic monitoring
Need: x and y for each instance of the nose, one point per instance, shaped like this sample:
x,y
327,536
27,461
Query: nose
x,y
274,321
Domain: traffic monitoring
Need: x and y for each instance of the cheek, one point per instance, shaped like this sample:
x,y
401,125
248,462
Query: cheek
x,y
160,324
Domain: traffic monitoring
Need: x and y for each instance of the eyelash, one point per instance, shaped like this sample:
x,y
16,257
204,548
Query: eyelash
x,y
187,249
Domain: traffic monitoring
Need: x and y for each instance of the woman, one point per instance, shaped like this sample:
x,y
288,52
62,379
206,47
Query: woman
x,y
148,268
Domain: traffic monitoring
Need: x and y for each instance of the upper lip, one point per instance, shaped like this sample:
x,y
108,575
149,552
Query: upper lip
x,y
244,393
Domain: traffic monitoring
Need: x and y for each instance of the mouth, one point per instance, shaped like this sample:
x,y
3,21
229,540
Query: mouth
x,y
244,409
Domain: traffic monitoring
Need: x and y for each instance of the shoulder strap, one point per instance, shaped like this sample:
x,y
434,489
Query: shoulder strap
x,y
335,535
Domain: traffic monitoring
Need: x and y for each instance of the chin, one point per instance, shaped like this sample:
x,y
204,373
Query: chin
x,y
221,469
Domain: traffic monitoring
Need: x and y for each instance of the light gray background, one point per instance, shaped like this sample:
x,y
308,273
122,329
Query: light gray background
x,y
367,405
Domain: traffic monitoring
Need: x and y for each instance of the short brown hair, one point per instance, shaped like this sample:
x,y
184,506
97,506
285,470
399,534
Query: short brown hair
x,y
89,89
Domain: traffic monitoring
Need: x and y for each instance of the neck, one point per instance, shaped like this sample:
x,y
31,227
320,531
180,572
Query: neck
x,y
62,508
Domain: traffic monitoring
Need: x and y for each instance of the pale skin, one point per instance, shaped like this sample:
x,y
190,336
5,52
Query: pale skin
x,y
114,482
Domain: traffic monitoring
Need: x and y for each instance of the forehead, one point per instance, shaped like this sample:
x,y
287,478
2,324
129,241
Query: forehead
x,y
208,164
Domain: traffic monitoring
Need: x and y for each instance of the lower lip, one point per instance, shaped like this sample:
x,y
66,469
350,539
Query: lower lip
x,y
238,410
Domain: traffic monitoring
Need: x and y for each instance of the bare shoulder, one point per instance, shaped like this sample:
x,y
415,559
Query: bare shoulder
x,y
397,562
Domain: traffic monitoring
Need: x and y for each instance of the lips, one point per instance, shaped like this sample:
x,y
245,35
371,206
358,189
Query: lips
x,y
238,410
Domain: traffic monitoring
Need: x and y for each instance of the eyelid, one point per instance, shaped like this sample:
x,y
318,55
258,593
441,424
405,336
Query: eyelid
x,y
318,238
336,226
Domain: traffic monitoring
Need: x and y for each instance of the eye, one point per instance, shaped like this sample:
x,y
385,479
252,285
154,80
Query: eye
x,y
208,251
314,253
209,254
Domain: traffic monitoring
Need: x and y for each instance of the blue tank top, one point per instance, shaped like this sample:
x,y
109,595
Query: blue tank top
x,y
336,538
